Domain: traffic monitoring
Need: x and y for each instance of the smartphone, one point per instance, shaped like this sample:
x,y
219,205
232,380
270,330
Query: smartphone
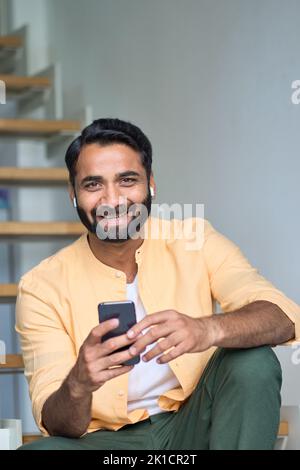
x,y
125,312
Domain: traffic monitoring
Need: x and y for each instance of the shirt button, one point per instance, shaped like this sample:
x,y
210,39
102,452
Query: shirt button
x,y
121,393
118,274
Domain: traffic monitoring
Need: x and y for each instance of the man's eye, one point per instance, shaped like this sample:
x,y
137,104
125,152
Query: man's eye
x,y
128,180
92,185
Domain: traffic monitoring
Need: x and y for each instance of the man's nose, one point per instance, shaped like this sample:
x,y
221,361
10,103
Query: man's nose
x,y
112,196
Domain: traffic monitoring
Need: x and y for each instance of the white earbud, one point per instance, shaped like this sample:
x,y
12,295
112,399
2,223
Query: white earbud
x,y
151,191
74,202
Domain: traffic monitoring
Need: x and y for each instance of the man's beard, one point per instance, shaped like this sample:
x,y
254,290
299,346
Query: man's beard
x,y
117,235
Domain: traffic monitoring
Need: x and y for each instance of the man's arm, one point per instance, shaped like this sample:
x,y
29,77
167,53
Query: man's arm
x,y
67,412
255,324
258,323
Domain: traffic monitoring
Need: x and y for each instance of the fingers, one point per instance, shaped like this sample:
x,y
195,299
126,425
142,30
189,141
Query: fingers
x,y
149,320
150,337
114,344
107,374
160,348
115,359
173,344
100,330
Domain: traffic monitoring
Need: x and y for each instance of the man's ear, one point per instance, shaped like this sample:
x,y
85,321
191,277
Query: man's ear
x,y
152,184
71,193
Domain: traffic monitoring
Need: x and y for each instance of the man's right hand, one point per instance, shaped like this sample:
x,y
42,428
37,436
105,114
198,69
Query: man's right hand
x,y
95,360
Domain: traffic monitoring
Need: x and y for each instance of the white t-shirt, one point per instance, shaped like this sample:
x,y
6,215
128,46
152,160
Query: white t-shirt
x,y
147,380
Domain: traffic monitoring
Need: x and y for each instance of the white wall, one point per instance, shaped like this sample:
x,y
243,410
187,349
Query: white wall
x,y
210,83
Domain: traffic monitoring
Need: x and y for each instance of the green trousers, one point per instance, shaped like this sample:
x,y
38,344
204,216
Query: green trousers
x,y
235,405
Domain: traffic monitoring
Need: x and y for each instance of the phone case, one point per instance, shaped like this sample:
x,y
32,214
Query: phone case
x,y
125,312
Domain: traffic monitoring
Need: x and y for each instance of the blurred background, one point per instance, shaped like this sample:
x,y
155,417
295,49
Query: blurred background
x,y
209,82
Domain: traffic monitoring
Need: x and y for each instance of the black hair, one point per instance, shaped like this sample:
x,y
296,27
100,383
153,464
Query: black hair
x,y
109,131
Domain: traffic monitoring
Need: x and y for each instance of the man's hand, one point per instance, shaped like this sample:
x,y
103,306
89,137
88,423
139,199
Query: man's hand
x,y
255,324
182,334
67,412
95,360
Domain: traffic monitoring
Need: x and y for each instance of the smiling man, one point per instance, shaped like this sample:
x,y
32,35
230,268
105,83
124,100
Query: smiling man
x,y
206,380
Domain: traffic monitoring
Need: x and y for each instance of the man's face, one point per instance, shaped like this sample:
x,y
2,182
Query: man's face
x,y
110,181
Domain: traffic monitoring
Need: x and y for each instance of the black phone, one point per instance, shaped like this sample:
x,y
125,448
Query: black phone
x,y
124,311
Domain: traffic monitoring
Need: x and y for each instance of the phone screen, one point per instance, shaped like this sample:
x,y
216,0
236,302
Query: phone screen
x,y
125,312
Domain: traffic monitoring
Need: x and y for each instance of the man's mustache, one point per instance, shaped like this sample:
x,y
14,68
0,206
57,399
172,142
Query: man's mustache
x,y
107,211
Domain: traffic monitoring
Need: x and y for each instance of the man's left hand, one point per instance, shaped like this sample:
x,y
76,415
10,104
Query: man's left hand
x,y
181,334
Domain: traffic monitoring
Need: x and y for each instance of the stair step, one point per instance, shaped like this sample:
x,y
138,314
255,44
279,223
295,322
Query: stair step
x,y
39,128
27,438
11,42
283,428
40,229
282,431
8,293
12,361
34,437
14,83
33,176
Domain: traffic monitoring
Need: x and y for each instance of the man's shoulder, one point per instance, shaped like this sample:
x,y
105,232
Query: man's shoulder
x,y
57,265
173,231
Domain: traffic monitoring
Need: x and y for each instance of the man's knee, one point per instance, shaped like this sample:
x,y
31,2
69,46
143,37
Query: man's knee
x,y
256,366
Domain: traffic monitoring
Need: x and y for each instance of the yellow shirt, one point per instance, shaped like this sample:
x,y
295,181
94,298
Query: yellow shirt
x,y
57,308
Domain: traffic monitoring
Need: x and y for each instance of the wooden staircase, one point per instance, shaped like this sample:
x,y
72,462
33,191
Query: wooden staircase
x,y
10,45
33,128
10,176
40,229
19,86
8,293
10,42
12,362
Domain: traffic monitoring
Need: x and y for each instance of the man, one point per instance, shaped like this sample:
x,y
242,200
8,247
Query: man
x,y
205,381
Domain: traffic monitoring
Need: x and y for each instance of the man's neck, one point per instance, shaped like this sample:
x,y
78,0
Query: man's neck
x,y
120,255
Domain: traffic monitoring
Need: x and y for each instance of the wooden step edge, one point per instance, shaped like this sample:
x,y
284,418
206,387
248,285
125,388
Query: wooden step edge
x,y
11,42
10,229
283,428
27,438
19,83
34,126
8,292
13,175
11,361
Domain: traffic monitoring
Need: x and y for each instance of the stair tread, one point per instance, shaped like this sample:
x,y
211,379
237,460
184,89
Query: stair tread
x,y
27,438
12,361
16,228
283,428
11,41
34,175
8,290
19,83
35,126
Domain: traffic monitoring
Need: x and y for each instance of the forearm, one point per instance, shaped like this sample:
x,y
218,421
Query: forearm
x,y
256,324
67,412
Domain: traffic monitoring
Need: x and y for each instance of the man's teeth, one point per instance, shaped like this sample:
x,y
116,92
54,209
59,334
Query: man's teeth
x,y
113,217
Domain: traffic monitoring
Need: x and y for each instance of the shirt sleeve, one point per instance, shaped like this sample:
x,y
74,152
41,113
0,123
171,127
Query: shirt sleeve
x,y
48,350
235,283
